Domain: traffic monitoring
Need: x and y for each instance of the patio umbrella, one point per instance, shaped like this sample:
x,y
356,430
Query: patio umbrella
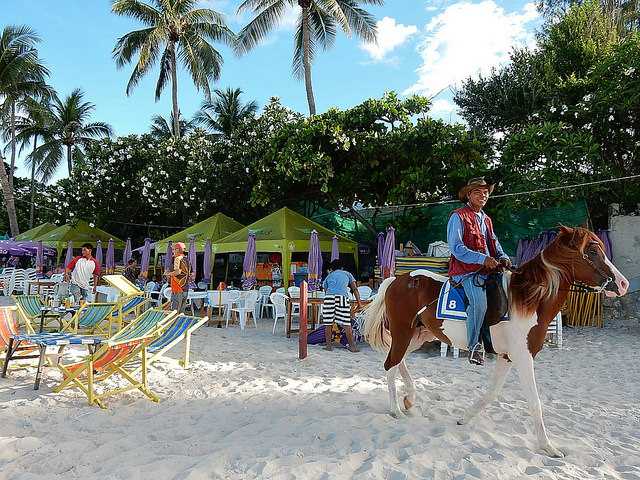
x,y
335,253
192,256
146,254
69,256
249,263
388,264
168,258
380,247
9,247
110,261
40,257
206,265
315,262
99,252
126,255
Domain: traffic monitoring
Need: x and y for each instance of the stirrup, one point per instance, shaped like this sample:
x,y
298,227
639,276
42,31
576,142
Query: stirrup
x,y
477,350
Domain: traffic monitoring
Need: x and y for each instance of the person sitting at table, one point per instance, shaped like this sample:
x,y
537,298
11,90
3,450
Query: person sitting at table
x,y
336,307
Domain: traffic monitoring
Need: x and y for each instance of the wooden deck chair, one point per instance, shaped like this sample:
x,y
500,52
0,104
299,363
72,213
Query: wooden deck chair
x,y
132,299
9,327
30,309
112,357
92,318
175,331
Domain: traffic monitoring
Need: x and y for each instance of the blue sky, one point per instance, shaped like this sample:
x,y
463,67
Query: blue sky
x,y
424,47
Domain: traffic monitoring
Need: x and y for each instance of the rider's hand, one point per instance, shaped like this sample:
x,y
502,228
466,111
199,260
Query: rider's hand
x,y
490,263
505,262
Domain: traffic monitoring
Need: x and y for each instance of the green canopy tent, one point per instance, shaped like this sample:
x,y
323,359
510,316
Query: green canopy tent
x,y
284,232
78,232
36,232
213,228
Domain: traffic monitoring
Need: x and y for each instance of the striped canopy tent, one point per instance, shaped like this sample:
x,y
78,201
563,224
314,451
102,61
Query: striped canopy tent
x,y
77,232
36,232
213,228
285,232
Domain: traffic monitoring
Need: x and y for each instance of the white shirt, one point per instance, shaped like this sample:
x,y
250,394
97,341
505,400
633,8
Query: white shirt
x,y
82,272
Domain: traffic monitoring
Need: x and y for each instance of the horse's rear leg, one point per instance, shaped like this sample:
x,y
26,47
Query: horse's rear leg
x,y
399,344
410,389
499,376
393,392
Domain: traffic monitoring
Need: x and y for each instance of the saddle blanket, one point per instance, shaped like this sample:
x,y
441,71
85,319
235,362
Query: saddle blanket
x,y
452,303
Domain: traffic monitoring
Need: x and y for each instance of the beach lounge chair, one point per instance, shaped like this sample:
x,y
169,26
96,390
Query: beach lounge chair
x,y
112,358
30,309
93,318
9,327
175,331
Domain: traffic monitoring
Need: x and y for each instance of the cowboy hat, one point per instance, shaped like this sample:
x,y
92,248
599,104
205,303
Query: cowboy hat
x,y
473,184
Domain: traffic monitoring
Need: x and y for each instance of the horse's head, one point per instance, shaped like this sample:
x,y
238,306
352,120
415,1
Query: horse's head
x,y
589,263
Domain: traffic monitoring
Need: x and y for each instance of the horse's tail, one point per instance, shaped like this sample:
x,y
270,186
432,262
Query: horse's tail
x,y
373,326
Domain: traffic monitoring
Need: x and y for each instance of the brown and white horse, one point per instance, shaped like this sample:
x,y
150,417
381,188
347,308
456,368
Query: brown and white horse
x,y
536,293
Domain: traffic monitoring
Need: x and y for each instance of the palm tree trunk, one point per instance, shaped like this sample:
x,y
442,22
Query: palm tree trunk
x,y
7,193
306,61
174,92
69,162
33,184
13,143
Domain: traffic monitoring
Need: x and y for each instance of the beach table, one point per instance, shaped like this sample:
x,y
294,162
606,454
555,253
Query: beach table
x,y
38,284
44,340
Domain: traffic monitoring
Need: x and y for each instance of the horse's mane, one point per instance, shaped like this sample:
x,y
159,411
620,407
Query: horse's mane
x,y
539,279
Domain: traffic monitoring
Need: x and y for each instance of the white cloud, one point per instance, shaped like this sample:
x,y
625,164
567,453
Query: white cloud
x,y
442,106
470,38
390,36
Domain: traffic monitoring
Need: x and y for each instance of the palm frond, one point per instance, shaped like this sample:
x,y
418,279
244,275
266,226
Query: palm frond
x,y
361,22
298,52
257,29
141,11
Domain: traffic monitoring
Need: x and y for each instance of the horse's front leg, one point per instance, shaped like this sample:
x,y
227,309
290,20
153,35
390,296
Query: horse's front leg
x,y
524,364
393,392
499,376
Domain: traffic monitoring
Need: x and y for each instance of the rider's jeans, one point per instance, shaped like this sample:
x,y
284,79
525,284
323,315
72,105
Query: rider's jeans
x,y
477,308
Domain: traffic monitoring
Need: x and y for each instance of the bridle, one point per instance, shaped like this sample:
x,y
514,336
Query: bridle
x,y
581,287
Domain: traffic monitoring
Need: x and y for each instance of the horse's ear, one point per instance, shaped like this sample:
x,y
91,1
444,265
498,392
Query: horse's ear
x,y
568,231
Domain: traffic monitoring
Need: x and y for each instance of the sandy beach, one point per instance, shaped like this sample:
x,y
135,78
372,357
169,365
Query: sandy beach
x,y
247,408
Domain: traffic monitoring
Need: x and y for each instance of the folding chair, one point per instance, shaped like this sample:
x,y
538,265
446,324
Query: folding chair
x,y
8,328
176,330
30,308
112,357
92,318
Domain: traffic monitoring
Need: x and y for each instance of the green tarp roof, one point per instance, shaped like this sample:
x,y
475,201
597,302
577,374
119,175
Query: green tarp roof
x,y
36,232
213,228
78,232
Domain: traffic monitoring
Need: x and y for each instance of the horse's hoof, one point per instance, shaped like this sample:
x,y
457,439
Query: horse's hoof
x,y
407,403
552,451
461,421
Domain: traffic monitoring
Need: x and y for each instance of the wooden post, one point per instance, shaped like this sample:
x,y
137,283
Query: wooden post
x,y
302,336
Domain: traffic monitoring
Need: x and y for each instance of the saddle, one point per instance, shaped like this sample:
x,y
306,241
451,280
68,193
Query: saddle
x,y
453,303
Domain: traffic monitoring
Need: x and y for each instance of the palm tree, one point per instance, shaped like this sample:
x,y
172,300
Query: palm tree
x,y
21,74
69,130
161,128
34,124
225,112
174,29
318,22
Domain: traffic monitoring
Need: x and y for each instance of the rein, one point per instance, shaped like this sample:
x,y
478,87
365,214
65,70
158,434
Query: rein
x,y
579,287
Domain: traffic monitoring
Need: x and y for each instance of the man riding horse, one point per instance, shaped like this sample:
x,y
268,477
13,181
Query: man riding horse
x,y
475,251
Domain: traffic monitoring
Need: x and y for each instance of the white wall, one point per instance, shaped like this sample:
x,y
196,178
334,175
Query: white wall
x,y
625,243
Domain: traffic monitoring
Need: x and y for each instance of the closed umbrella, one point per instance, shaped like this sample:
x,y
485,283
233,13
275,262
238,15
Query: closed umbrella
x,y
388,265
380,247
249,263
146,255
110,261
99,252
315,262
69,257
604,236
335,253
206,264
168,258
126,255
192,257
40,257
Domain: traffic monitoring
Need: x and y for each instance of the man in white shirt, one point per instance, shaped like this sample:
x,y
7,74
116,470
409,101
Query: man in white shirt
x,y
79,272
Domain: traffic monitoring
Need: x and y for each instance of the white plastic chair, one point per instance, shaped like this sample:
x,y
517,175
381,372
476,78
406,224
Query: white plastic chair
x,y
365,292
153,294
250,299
444,348
281,290
263,300
294,292
222,300
554,330
9,283
279,301
20,278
